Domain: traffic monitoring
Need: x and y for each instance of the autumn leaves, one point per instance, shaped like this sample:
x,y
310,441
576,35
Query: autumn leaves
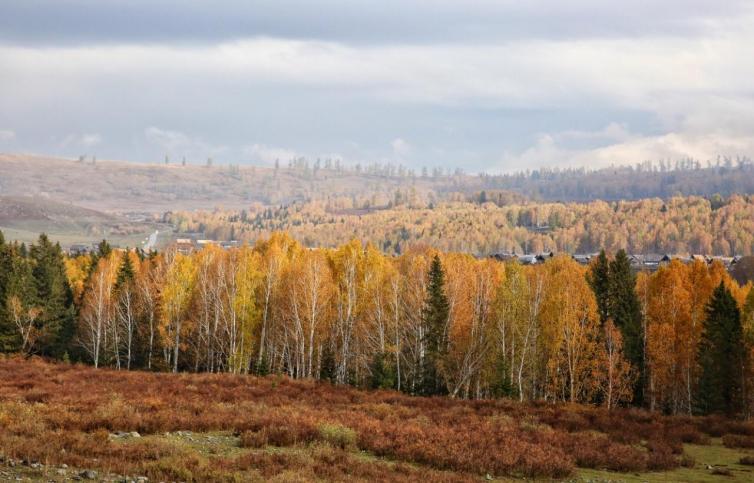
x,y
461,326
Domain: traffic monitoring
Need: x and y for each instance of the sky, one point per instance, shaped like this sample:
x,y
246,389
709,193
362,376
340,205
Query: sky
x,y
495,86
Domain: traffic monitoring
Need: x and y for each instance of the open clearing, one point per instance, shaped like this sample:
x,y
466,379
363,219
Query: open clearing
x,y
60,421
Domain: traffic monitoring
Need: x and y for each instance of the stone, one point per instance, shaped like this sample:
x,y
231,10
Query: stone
x,y
88,474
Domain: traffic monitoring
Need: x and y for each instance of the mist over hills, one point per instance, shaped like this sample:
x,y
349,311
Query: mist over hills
x,y
119,186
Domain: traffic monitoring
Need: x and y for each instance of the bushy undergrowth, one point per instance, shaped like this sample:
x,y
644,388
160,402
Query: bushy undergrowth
x,y
59,413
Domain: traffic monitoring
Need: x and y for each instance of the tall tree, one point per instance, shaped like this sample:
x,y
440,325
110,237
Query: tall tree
x,y
721,356
6,331
20,328
625,311
435,318
599,280
55,296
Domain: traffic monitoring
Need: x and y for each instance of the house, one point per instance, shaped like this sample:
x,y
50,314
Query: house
x,y
528,259
184,246
504,256
582,259
79,249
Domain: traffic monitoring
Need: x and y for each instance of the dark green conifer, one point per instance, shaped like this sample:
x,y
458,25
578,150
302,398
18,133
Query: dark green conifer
x,y
55,297
722,356
435,319
625,310
599,280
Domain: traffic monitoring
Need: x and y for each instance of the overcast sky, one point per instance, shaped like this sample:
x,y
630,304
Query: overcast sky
x,y
482,85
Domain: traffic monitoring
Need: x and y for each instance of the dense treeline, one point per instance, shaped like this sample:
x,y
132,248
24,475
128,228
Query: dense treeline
x,y
423,323
662,179
712,226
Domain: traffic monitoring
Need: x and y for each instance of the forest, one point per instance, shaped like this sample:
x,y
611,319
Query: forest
x,y
676,341
679,225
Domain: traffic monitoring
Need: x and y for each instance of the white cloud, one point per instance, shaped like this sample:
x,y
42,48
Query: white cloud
x,y
177,143
7,135
86,141
268,154
694,92
551,151
401,148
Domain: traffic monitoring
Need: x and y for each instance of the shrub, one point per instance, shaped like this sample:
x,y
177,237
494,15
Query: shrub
x,y
253,439
720,471
338,435
687,461
661,456
738,441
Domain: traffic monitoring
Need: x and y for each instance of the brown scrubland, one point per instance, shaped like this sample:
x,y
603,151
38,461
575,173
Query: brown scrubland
x,y
298,430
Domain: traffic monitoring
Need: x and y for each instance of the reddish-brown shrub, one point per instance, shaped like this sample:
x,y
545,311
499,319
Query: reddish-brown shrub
x,y
253,439
738,441
76,407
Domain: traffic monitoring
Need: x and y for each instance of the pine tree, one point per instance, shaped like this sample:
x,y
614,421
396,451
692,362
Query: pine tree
x,y
328,366
721,356
625,310
435,318
55,296
599,280
382,373
5,267
125,272
19,288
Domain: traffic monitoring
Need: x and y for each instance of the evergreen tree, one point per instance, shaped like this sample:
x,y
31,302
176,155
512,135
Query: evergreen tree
x,y
599,280
125,272
502,386
382,373
747,320
435,318
18,286
721,356
328,367
625,309
5,267
55,297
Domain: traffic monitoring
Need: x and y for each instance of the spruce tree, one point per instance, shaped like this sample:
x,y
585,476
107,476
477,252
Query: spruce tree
x,y
435,318
599,280
5,264
55,297
125,272
19,285
722,356
382,373
328,366
625,310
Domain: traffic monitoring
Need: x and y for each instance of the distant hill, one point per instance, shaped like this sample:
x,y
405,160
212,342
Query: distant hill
x,y
122,187
645,180
81,200
23,218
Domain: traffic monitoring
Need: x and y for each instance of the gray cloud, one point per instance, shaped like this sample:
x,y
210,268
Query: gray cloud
x,y
60,22
481,85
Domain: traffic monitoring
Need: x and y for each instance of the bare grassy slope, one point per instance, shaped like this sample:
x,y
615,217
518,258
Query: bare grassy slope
x,y
121,186
259,428
23,218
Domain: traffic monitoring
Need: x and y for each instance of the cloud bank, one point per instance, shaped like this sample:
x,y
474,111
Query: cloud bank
x,y
493,86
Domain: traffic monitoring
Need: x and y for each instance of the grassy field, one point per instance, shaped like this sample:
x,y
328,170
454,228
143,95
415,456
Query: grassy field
x,y
68,238
59,421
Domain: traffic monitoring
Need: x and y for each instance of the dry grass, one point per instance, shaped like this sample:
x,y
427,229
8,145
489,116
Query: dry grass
x,y
59,413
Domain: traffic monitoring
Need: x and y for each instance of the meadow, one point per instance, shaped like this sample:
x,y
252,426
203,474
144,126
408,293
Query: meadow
x,y
60,420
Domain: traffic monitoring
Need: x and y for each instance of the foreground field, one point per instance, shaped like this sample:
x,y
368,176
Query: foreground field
x,y
163,427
